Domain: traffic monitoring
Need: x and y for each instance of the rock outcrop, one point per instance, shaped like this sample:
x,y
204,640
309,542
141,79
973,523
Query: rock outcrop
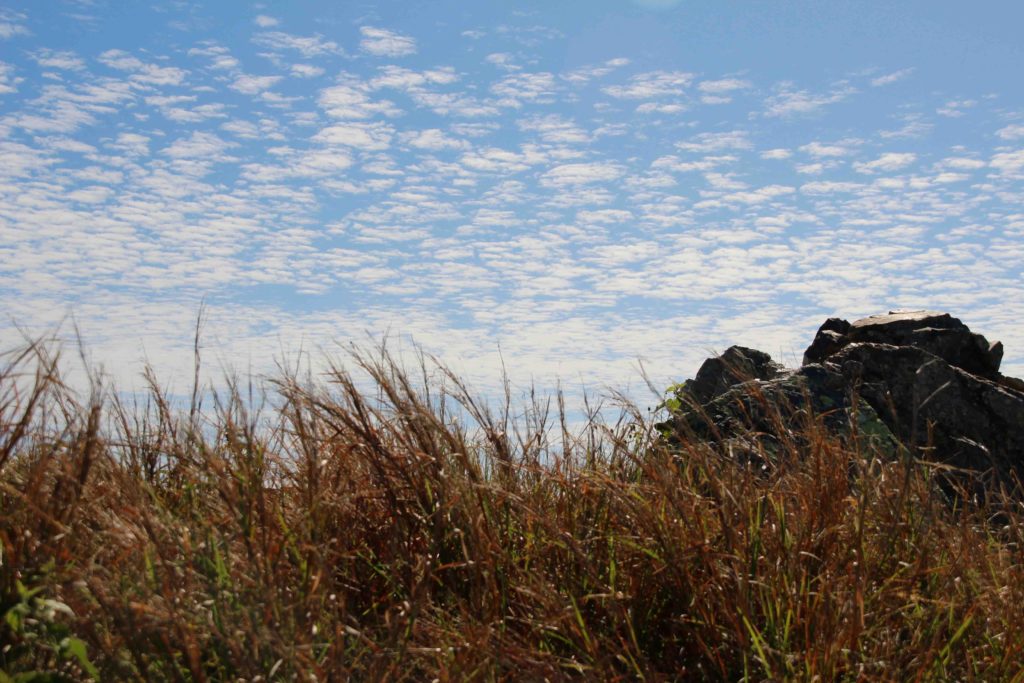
x,y
738,363
937,333
910,381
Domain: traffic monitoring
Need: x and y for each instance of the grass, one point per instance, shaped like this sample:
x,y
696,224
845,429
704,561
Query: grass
x,y
387,525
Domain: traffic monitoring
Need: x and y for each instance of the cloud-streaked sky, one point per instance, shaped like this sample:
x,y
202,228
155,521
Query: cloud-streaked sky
x,y
582,184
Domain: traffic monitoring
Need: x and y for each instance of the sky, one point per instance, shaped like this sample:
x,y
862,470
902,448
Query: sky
x,y
568,190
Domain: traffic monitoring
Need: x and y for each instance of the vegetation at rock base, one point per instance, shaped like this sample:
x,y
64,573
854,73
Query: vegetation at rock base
x,y
387,525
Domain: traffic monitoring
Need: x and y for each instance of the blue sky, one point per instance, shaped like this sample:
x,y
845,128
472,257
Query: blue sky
x,y
580,184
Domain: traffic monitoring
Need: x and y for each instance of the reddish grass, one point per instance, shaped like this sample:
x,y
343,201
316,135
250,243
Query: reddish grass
x,y
407,532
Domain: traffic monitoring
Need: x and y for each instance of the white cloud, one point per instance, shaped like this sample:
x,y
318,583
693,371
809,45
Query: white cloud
x,y
121,60
243,129
196,114
279,101
8,82
890,78
199,145
589,73
167,101
757,196
220,56
133,143
716,142
581,174
253,85
263,21
433,140
660,108
316,163
502,60
497,160
400,78
365,136
311,46
672,163
159,75
526,86
151,74
22,160
954,109
56,59
11,24
962,163
777,153
95,194
890,161
66,144
724,85
913,127
724,181
474,130
350,102
1008,162
385,43
787,101
65,109
224,63
818,150
651,85
454,104
554,129
605,216
417,84
949,177
1015,131
306,70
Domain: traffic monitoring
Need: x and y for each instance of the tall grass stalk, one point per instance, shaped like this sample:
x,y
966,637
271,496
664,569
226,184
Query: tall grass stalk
x,y
414,532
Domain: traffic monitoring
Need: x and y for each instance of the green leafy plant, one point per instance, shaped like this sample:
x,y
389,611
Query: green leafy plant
x,y
35,631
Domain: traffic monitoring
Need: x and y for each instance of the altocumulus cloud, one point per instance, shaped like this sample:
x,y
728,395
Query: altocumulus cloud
x,y
385,43
466,183
581,174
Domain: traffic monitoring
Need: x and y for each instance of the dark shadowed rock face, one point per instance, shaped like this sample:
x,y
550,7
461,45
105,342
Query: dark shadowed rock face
x,y
830,338
975,423
938,333
917,378
717,375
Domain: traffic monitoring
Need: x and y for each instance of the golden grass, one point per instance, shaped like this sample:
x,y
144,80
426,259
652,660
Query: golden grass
x,y
408,532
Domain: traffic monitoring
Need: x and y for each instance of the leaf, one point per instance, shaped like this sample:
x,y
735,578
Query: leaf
x,y
14,616
74,647
760,645
27,594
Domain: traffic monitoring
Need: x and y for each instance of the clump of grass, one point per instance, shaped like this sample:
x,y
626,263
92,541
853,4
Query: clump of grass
x,y
375,526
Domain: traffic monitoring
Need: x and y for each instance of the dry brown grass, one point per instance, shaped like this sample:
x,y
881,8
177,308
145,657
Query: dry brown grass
x,y
408,532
